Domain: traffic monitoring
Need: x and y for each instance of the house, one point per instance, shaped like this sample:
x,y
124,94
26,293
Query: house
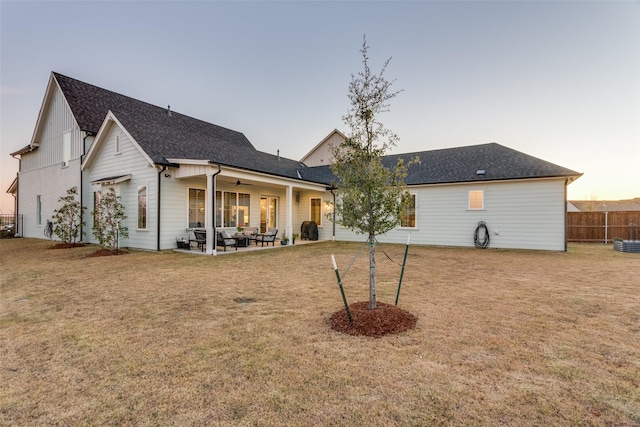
x,y
175,173
626,205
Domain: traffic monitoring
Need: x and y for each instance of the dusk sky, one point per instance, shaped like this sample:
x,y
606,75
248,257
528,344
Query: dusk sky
x,y
556,80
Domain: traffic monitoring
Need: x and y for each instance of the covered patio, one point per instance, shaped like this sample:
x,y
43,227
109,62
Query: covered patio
x,y
227,199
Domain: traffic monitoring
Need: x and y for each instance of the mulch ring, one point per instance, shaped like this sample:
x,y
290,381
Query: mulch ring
x,y
107,252
67,245
384,320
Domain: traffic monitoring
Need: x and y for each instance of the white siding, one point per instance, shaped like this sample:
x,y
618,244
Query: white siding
x,y
42,172
302,212
56,120
130,161
50,183
321,155
520,214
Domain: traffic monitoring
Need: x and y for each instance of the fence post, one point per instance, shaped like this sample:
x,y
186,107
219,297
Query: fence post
x,y
606,227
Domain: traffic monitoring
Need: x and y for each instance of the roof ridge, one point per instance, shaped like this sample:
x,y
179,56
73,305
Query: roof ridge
x,y
130,98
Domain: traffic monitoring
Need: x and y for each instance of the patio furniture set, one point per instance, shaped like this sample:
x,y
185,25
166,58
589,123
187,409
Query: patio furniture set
x,y
241,239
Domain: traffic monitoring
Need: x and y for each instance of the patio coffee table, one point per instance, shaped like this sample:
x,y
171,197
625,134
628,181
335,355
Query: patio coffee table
x,y
242,241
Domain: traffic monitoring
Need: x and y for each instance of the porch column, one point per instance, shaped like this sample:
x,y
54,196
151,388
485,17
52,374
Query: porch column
x,y
289,227
208,208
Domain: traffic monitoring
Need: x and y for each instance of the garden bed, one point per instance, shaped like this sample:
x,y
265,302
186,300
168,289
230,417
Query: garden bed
x,y
627,245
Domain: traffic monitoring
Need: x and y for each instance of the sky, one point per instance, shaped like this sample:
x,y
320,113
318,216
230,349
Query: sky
x,y
556,80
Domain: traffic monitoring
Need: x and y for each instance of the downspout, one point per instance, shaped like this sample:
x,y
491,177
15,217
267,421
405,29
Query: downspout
x,y
84,152
164,168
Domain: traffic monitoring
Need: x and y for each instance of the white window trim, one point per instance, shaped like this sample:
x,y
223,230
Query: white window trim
x,y
415,207
146,208
204,198
482,208
39,210
66,148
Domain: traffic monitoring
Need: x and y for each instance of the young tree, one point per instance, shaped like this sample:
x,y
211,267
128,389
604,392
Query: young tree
x,y
68,219
371,197
107,223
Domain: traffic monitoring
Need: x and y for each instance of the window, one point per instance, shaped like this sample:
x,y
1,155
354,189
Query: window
x,y
39,210
244,201
232,209
476,199
96,203
316,210
408,216
117,145
66,148
142,207
196,207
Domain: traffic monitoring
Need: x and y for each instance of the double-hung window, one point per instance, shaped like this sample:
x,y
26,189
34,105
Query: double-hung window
x,y
232,209
66,148
142,207
408,217
196,207
39,210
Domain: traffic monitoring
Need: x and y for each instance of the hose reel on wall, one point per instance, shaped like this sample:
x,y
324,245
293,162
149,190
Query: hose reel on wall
x,y
481,241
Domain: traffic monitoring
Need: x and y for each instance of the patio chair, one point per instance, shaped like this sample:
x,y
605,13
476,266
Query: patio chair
x,y
200,239
224,239
269,236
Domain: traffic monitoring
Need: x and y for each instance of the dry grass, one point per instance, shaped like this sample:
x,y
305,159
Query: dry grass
x,y
503,338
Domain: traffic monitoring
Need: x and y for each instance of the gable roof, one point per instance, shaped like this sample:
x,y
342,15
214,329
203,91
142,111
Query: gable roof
x,y
164,134
462,164
321,143
607,205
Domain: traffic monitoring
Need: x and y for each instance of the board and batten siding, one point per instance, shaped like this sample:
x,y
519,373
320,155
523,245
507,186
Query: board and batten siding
x,y
322,154
42,171
519,215
108,163
56,120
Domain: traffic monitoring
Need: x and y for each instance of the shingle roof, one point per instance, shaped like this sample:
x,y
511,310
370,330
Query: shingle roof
x,y
162,135
168,136
462,164
607,205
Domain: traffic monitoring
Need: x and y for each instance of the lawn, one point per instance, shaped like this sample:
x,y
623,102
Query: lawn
x,y
503,337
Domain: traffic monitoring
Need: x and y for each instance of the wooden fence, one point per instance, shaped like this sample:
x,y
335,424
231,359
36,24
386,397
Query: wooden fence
x,y
603,227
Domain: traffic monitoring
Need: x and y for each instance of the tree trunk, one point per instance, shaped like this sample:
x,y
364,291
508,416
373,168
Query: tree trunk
x,y
372,272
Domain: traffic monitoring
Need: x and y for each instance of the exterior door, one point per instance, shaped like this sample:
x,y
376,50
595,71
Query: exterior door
x,y
268,213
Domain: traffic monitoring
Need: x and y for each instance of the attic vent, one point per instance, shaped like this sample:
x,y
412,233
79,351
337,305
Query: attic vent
x,y
480,172
168,110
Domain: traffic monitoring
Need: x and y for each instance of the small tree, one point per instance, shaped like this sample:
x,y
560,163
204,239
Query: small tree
x,y
68,219
371,197
107,223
